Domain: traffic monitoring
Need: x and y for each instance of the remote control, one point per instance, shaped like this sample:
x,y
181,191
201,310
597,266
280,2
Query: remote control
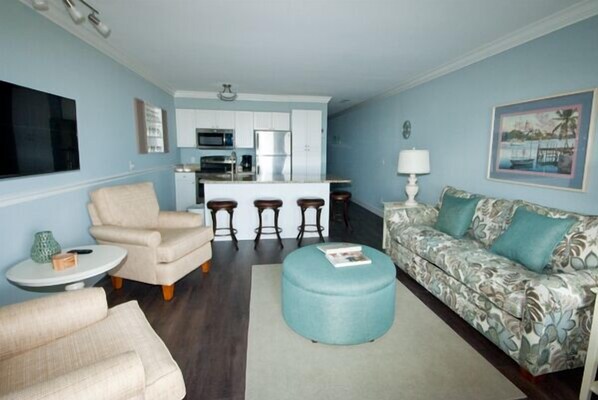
x,y
80,251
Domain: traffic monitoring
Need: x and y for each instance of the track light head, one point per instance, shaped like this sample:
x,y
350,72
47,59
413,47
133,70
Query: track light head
x,y
40,5
76,15
101,27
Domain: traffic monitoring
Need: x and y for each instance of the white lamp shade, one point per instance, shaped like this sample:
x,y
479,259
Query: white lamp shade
x,y
414,162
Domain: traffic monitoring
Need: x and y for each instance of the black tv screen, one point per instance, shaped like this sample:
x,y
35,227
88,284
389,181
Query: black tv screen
x,y
38,132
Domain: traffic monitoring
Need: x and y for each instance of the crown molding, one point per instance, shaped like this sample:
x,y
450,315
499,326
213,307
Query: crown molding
x,y
87,33
568,16
254,97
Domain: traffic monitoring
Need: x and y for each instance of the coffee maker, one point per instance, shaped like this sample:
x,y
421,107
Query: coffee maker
x,y
246,162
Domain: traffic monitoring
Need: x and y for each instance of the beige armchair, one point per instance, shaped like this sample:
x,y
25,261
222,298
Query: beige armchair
x,y
163,246
70,346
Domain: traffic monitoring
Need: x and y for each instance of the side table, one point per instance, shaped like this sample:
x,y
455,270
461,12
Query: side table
x,y
102,259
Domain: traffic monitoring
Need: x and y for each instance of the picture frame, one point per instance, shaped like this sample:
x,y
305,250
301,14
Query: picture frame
x,y
152,128
545,142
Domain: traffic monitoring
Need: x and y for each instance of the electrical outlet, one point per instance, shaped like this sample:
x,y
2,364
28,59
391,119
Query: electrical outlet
x,y
131,165
383,162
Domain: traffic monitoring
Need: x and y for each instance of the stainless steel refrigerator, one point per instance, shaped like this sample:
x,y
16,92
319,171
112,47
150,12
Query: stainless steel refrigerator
x,y
273,153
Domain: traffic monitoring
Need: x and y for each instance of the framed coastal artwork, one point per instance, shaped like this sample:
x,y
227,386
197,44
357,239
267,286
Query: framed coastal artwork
x,y
544,142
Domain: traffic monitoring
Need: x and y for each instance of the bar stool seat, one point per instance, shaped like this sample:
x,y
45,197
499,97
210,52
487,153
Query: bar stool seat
x,y
268,204
305,203
343,197
229,206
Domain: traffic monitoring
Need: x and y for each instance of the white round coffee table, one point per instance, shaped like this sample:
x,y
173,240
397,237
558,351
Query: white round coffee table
x,y
101,260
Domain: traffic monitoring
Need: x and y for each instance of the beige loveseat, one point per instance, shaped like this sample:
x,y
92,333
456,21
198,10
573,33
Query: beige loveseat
x,y
163,246
70,346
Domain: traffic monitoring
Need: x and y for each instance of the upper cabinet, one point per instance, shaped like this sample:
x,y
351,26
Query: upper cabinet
x,y
215,119
185,128
307,142
272,121
244,129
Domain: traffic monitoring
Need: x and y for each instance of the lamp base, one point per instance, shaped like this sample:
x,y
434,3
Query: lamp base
x,y
411,189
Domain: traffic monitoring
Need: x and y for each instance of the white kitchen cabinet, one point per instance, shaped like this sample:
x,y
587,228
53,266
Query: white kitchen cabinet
x,y
185,128
307,142
277,121
185,188
281,121
215,119
225,119
244,129
205,119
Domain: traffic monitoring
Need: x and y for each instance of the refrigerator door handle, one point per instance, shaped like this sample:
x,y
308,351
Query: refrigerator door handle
x,y
257,141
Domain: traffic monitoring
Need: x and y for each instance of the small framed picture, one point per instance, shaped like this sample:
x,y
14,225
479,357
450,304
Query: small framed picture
x,y
544,142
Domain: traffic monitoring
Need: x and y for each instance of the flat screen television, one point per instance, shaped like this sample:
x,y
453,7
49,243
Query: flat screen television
x,y
38,132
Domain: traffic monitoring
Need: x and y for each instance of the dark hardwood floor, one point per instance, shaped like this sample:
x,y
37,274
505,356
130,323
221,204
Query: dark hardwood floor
x,y
205,325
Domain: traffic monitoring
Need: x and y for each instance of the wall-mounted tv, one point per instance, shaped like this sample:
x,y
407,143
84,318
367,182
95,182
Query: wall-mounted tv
x,y
38,132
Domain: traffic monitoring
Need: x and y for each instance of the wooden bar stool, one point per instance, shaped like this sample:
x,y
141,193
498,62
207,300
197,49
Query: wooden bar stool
x,y
317,204
339,197
268,204
229,206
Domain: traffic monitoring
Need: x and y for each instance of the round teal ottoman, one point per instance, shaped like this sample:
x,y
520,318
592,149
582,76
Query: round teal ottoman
x,y
348,305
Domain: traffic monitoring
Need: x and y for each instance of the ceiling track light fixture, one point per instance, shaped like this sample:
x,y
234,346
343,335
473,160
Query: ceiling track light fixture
x,y
227,94
76,15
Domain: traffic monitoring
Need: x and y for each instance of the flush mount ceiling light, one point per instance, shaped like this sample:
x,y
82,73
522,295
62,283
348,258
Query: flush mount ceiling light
x,y
76,15
227,94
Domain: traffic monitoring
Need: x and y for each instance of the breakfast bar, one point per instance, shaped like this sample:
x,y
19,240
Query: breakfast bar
x,y
245,189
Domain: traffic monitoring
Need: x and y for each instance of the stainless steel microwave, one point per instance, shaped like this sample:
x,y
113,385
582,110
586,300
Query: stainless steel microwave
x,y
215,138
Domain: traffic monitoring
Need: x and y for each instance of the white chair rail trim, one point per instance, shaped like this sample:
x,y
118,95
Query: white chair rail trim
x,y
23,197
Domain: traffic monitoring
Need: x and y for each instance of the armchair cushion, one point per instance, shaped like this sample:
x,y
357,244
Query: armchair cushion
x,y
177,243
131,206
28,325
120,377
124,329
117,234
177,219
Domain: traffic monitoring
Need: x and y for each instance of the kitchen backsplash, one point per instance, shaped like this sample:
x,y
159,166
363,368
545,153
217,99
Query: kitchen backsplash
x,y
192,156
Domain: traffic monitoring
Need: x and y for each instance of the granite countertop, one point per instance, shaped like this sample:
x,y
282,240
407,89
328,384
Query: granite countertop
x,y
187,168
294,178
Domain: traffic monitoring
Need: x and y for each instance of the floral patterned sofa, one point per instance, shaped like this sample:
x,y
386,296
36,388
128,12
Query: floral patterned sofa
x,y
542,320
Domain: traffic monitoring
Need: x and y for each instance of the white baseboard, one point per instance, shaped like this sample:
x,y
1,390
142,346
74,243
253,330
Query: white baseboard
x,y
376,210
23,197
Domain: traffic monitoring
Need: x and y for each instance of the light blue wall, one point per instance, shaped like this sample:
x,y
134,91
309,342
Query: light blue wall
x,y
451,117
36,53
206,104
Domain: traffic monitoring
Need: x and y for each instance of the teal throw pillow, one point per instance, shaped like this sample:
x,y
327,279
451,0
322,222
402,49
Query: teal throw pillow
x,y
531,238
455,215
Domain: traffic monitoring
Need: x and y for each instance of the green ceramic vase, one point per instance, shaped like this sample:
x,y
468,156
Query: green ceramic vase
x,y
44,247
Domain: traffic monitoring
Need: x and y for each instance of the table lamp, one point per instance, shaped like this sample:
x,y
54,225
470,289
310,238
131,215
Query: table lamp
x,y
413,162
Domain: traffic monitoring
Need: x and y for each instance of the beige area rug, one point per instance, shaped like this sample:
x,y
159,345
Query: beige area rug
x,y
419,358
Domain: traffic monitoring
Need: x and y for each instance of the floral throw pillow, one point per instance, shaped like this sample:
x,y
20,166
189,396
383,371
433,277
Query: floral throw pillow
x,y
491,218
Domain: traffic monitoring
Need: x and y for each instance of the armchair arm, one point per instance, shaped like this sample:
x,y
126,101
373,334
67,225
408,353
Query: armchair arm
x,y
27,325
179,219
117,378
134,236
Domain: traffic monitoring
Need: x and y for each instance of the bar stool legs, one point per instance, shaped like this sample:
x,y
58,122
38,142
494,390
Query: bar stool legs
x,y
343,197
268,204
304,204
229,206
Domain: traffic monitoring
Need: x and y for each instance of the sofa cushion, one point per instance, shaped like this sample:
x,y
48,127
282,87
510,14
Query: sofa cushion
x,y
130,206
177,243
578,250
531,238
124,329
491,218
431,244
455,215
500,280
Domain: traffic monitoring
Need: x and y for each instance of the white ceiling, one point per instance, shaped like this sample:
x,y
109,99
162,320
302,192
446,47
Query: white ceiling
x,y
347,49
